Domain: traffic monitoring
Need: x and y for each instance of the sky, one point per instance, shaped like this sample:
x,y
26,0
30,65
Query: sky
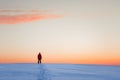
x,y
64,31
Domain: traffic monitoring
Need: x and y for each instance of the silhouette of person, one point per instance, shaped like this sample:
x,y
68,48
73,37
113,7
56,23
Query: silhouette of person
x,y
39,58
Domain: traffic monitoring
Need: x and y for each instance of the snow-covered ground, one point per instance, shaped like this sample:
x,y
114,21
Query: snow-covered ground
x,y
58,72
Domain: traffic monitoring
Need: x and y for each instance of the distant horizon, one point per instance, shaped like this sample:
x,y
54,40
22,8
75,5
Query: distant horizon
x,y
64,63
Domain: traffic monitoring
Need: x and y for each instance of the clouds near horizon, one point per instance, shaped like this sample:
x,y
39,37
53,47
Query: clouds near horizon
x,y
23,16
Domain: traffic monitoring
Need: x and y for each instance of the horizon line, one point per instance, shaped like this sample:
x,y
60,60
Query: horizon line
x,y
66,63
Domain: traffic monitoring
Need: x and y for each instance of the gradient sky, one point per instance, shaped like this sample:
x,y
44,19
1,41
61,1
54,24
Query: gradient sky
x,y
64,31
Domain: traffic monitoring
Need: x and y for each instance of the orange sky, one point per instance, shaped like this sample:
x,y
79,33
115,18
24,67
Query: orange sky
x,y
61,58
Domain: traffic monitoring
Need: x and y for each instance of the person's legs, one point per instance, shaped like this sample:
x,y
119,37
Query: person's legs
x,y
38,61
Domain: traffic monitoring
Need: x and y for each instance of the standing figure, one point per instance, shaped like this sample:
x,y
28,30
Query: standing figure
x,y
39,58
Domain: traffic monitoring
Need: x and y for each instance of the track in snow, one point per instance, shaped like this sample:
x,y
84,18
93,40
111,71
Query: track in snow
x,y
43,73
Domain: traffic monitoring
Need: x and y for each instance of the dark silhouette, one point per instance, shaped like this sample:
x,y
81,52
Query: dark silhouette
x,y
39,58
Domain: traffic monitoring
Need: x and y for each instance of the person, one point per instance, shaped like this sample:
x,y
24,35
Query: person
x,y
39,58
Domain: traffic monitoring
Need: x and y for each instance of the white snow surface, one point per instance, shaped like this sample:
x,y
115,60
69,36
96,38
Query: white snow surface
x,y
58,72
